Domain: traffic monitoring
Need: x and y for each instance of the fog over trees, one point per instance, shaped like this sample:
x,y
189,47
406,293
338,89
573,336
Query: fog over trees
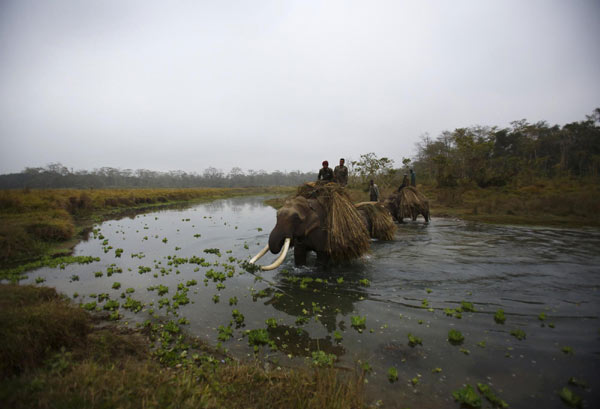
x,y
56,175
483,155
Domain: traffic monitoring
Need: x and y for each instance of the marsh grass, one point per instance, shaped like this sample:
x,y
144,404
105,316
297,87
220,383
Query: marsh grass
x,y
55,355
39,222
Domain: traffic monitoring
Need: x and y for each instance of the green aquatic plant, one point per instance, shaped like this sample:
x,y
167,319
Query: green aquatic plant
x,y
499,316
238,317
102,297
301,320
358,322
271,322
165,240
130,290
162,290
118,252
567,350
233,301
465,351
215,298
163,302
98,274
90,306
191,283
424,303
323,359
116,285
142,269
481,344
225,333
133,305
436,370
392,374
518,334
364,282
258,337
111,305
467,396
570,398
337,336
467,306
74,277
414,381
414,341
542,317
486,391
39,280
455,337
215,251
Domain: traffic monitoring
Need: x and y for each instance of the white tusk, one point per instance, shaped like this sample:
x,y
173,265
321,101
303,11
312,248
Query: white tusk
x,y
277,263
259,255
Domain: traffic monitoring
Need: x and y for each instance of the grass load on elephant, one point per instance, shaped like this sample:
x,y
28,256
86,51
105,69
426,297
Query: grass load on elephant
x,y
347,236
378,219
408,202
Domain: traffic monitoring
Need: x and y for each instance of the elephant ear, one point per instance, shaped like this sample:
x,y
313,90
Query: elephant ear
x,y
313,219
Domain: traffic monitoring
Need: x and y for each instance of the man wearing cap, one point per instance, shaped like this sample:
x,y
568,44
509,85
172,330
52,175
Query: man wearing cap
x,y
325,174
340,173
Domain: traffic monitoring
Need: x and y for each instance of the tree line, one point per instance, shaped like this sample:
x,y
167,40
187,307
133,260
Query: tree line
x,y
493,156
55,176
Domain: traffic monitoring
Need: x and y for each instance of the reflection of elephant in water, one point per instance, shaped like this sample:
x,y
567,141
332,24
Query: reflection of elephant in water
x,y
302,224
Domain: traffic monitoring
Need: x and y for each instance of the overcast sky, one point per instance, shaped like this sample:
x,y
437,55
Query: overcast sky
x,y
280,85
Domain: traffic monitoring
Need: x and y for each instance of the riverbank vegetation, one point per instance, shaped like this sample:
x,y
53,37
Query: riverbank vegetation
x,y
55,354
45,222
526,173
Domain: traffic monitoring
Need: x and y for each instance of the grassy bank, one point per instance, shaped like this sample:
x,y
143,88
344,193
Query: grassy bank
x,y
55,355
38,223
553,202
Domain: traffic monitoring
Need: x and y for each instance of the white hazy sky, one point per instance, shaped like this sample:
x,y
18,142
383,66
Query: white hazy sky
x,y
280,85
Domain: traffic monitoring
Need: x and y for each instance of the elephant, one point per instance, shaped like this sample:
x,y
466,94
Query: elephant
x,y
408,202
302,223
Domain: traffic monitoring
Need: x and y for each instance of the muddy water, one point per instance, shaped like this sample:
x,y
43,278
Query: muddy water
x,y
412,283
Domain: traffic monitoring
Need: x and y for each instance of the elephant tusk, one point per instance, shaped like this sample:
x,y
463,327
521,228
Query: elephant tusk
x,y
277,263
259,255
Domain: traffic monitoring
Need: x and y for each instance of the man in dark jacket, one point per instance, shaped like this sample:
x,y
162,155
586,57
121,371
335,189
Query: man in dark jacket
x,y
325,174
340,173
413,178
373,191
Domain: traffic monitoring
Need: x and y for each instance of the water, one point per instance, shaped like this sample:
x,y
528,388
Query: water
x,y
525,271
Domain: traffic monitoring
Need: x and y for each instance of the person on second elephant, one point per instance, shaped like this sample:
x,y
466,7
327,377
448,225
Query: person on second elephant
x,y
325,173
373,191
405,182
340,173
413,178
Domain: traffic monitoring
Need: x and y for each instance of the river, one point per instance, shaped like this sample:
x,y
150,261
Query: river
x,y
546,280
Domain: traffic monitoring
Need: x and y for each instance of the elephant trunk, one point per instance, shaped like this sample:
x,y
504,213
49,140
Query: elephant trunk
x,y
277,238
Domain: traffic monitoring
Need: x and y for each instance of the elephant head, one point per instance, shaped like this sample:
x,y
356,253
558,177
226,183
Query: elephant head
x,y
300,225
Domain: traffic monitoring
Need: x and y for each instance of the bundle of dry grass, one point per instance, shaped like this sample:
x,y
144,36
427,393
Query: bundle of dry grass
x,y
380,221
409,202
347,236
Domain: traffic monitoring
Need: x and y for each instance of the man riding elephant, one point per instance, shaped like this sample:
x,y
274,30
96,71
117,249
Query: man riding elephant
x,y
340,173
325,173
